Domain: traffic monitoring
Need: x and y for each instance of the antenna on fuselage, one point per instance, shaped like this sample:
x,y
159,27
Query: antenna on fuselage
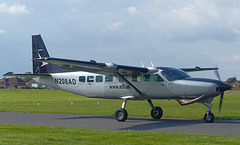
x,y
142,63
152,64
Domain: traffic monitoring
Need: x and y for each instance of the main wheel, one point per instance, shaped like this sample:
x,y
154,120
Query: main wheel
x,y
209,117
121,114
156,112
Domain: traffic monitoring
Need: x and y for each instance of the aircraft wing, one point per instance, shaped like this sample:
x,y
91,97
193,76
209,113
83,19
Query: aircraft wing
x,y
93,65
197,69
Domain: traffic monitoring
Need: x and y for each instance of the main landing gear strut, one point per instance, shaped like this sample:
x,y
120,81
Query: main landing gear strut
x,y
156,111
121,113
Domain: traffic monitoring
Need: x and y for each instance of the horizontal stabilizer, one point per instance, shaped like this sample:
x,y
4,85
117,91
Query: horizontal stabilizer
x,y
24,75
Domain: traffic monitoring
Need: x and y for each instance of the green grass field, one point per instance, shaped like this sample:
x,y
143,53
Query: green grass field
x,y
20,134
60,102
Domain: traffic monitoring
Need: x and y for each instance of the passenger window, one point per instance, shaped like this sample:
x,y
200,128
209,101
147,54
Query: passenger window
x,y
99,78
136,77
147,77
157,78
82,79
108,78
121,80
90,79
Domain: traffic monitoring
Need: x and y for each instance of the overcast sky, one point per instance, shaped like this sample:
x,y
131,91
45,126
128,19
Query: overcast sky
x,y
174,33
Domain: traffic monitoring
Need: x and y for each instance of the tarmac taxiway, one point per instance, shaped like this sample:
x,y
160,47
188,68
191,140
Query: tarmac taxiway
x,y
220,127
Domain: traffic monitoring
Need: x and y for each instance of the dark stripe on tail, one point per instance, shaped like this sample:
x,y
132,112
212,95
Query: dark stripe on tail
x,y
38,51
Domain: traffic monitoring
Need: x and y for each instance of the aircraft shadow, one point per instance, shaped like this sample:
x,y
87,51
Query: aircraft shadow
x,y
163,123
147,123
171,123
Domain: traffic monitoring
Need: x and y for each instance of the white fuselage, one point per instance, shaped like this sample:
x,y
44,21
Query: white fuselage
x,y
111,87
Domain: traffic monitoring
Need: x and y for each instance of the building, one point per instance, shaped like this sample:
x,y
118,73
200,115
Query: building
x,y
235,84
34,84
12,82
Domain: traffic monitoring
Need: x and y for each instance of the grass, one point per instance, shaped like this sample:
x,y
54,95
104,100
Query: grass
x,y
20,134
60,102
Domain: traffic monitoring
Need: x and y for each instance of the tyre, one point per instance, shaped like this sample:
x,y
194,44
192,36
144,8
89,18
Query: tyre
x,y
209,117
121,114
156,112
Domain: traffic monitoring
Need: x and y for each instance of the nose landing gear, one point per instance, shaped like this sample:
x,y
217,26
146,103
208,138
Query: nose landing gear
x,y
209,116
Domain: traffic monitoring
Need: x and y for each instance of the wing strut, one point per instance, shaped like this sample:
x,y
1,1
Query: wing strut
x,y
136,89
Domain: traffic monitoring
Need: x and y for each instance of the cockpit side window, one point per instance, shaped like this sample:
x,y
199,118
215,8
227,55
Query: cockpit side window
x,y
157,78
173,74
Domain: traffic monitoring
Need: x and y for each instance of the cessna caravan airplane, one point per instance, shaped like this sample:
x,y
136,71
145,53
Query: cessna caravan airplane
x,y
112,81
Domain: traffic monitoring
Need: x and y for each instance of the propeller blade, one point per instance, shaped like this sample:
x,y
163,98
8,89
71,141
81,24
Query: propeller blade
x,y
221,100
217,74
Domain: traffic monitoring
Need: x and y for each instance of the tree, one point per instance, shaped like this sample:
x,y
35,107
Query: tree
x,y
231,80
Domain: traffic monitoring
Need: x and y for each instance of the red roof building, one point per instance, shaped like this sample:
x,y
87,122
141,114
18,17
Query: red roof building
x,y
12,82
3,82
235,85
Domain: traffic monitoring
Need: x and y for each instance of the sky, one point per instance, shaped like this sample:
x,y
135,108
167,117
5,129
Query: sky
x,y
186,33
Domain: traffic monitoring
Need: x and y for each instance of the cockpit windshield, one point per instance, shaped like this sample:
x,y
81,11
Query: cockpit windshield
x,y
173,74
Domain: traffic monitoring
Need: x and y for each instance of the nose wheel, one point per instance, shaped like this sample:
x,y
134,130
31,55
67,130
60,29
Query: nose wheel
x,y
209,116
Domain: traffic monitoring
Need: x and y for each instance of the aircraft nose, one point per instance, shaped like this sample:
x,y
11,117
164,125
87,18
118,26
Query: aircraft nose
x,y
224,87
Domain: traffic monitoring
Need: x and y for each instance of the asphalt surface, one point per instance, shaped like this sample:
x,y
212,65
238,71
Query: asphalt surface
x,y
220,127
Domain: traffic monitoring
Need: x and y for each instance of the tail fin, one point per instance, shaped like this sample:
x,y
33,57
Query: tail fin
x,y
38,51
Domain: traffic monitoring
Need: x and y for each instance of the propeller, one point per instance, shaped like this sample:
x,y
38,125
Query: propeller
x,y
217,74
220,105
222,88
222,92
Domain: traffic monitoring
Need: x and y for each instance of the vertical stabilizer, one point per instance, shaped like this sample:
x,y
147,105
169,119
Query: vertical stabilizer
x,y
38,51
